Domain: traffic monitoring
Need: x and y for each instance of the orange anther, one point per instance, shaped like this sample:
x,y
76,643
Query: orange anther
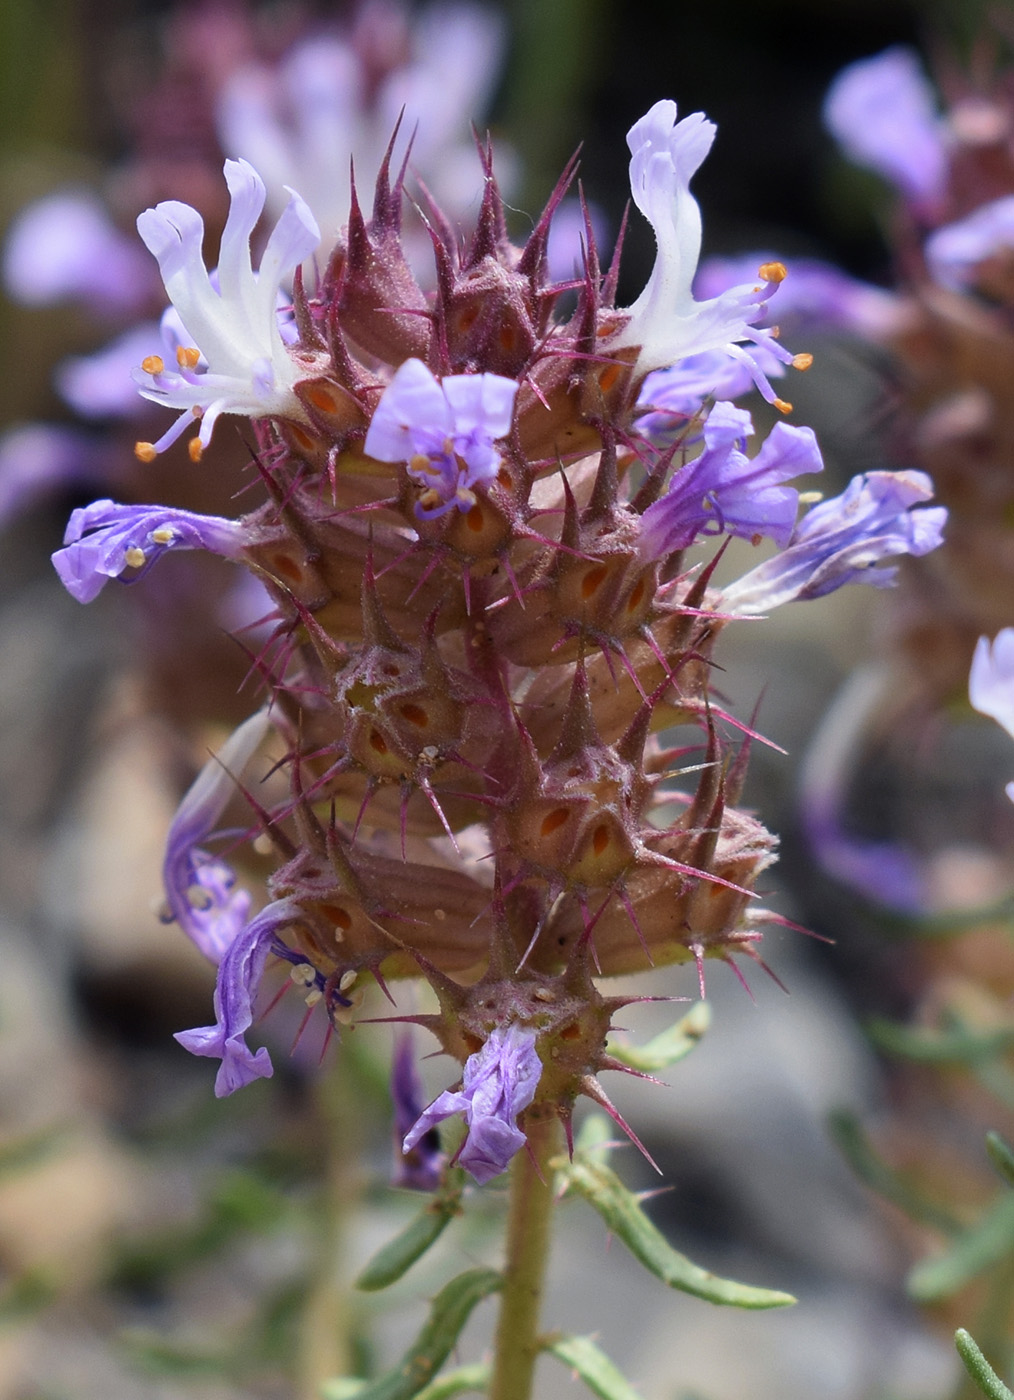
x,y
803,361
782,406
153,364
145,451
773,272
187,356
196,449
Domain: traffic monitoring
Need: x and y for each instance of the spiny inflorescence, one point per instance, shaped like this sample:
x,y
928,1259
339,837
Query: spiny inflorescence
x,y
482,616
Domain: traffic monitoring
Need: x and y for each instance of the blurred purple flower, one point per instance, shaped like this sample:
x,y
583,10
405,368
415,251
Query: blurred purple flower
x,y
883,113
65,247
444,430
991,682
239,977
200,888
102,385
954,251
815,294
419,1167
723,491
499,1082
104,538
42,457
842,541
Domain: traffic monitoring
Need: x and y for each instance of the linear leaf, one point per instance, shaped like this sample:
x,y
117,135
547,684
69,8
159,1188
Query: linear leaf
x,y
855,1147
460,1382
449,1312
979,1368
602,1188
956,1045
397,1256
1001,1156
973,1251
600,1375
668,1047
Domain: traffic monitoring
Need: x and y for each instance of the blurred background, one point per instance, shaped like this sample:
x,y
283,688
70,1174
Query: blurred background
x,y
155,1243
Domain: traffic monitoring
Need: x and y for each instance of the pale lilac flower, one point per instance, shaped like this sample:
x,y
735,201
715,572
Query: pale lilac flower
x,y
64,247
882,111
104,538
676,394
102,385
725,492
991,682
843,541
665,322
444,430
815,295
419,1168
38,458
954,252
499,1082
303,120
239,977
200,888
565,247
244,365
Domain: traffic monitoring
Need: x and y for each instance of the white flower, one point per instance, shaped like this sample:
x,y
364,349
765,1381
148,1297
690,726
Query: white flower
x,y
237,361
665,322
991,682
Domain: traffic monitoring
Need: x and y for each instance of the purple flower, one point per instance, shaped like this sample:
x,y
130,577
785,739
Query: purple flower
x,y
815,294
954,252
200,888
665,323
64,247
103,539
237,360
991,682
499,1082
882,111
102,385
40,457
723,491
239,977
675,394
444,431
331,98
418,1168
842,541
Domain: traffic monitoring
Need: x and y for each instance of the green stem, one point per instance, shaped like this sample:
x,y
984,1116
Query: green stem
x,y
528,1231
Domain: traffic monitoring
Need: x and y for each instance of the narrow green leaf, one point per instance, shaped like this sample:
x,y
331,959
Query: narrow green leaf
x,y
602,1188
396,1258
667,1048
855,1147
979,1368
460,1382
1001,1156
599,1374
449,1312
973,1251
957,1045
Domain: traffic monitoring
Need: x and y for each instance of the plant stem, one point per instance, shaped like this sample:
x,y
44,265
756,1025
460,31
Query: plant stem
x,y
528,1231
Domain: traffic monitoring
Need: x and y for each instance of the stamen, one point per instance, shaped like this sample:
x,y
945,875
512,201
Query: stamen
x,y
134,556
195,449
187,356
165,534
153,364
802,361
303,974
313,997
782,406
347,980
145,451
774,272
